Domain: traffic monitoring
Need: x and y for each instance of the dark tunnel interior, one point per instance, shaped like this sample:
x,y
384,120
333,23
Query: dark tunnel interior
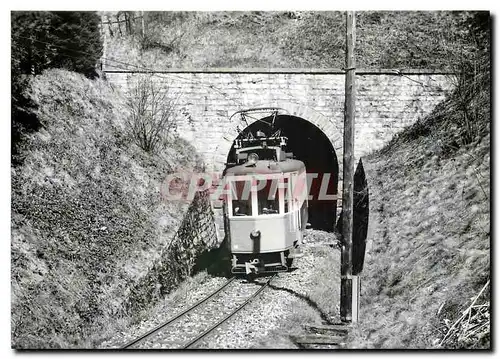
x,y
310,145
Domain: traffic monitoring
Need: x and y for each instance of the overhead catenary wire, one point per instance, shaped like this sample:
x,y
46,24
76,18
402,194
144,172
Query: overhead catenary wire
x,y
142,68
139,67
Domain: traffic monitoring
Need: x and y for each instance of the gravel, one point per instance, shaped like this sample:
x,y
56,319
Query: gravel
x,y
174,303
267,321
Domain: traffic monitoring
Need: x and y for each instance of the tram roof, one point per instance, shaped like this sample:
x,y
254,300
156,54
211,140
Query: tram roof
x,y
266,166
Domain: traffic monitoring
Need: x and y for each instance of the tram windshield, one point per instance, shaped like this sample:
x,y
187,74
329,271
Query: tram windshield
x,y
242,198
268,196
263,153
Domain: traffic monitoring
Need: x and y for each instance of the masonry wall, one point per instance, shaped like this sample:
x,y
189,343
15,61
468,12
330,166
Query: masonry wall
x,y
205,102
386,103
196,235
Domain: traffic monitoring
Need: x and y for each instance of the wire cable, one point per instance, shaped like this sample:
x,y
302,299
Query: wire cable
x,y
143,68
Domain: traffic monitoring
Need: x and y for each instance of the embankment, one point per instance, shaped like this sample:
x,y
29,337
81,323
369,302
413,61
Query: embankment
x,y
429,236
93,243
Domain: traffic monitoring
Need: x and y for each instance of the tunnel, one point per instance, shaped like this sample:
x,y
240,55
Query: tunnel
x,y
310,145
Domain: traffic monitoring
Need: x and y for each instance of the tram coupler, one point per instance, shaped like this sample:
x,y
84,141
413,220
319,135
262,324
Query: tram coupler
x,y
253,266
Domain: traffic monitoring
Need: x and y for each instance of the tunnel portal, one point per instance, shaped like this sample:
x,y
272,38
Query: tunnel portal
x,y
310,145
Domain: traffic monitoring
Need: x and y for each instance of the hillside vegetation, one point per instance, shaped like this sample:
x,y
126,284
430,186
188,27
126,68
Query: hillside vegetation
x,y
88,221
285,39
429,256
42,40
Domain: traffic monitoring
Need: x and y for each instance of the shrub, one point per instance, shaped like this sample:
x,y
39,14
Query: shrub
x,y
152,114
465,115
88,220
42,40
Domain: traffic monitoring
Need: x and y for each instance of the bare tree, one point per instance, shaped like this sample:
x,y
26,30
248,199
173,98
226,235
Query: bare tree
x,y
152,114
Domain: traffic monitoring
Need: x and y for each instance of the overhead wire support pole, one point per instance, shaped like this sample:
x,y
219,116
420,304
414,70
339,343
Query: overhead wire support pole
x,y
346,284
143,27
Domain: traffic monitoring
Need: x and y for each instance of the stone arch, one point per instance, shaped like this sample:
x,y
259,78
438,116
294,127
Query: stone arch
x,y
329,126
312,145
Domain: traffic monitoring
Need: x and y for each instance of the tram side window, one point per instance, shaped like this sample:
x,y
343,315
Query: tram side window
x,y
287,193
242,198
267,198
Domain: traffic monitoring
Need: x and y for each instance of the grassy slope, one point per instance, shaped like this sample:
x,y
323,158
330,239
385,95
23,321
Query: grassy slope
x,y
205,40
81,163
430,233
298,39
87,219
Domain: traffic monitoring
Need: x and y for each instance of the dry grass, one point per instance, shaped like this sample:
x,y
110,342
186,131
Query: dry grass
x,y
87,218
205,40
290,39
429,254
474,324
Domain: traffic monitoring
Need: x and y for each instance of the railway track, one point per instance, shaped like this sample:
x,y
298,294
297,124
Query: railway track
x,y
188,328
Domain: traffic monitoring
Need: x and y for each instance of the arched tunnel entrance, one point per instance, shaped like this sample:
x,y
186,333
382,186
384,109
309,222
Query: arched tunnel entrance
x,y
310,145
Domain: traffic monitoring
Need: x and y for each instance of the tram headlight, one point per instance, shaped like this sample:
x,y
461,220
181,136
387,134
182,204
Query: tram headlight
x,y
255,234
253,158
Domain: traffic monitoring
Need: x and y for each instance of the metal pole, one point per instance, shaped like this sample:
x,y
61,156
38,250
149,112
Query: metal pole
x,y
346,285
142,25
